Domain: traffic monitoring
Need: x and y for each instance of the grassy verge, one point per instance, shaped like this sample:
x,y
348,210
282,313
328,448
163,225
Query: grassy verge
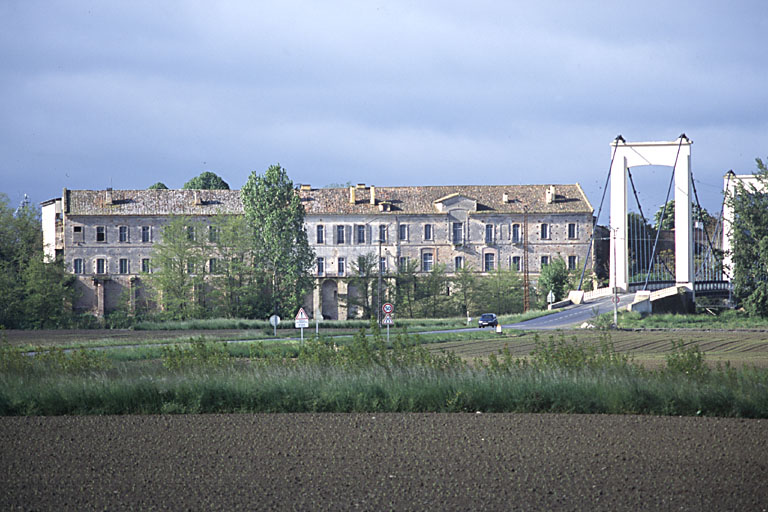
x,y
287,325
367,374
728,319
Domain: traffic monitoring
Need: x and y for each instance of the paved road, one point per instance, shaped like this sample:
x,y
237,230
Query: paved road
x,y
572,316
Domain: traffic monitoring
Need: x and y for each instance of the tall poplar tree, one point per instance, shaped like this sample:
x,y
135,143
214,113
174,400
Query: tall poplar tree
x,y
274,210
750,244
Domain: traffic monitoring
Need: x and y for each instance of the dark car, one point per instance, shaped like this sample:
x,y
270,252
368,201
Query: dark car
x,y
487,320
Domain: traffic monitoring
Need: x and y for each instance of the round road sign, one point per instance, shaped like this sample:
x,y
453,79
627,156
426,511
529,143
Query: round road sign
x,y
387,308
274,320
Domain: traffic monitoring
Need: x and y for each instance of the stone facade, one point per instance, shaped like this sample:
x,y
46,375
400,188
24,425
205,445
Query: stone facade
x,y
106,237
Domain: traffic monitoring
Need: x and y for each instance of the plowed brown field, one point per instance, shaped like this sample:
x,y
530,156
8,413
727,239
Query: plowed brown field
x,y
383,462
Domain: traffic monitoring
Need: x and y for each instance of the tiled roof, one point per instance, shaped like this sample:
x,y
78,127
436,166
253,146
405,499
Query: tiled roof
x,y
419,200
153,202
324,201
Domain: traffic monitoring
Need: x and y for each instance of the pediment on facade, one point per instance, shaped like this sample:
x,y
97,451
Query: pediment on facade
x,y
455,201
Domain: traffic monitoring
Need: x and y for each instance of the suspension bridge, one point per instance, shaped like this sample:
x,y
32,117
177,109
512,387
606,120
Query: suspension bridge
x,y
671,267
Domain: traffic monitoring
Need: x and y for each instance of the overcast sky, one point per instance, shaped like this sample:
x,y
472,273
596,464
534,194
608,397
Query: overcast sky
x,y
96,94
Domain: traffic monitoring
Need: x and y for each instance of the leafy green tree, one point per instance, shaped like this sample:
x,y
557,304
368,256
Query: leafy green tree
x,y
555,277
235,283
750,244
698,214
363,281
177,268
206,181
433,292
405,287
32,293
465,289
158,186
49,293
503,291
281,249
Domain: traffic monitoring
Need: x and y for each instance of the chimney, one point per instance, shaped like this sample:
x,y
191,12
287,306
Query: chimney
x,y
108,196
505,198
373,194
551,194
352,199
198,199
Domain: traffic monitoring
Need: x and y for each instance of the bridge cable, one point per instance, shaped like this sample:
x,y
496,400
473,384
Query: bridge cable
x,y
663,212
698,204
711,249
642,215
599,210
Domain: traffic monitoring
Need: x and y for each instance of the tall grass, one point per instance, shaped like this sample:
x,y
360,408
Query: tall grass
x,y
368,375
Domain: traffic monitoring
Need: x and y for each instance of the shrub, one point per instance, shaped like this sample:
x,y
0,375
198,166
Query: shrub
x,y
199,353
686,360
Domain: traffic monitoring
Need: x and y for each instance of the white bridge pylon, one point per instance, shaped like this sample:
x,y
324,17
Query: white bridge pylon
x,y
677,154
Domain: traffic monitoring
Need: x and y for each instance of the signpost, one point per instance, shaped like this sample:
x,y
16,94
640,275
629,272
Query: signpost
x,y
274,321
388,310
550,297
301,321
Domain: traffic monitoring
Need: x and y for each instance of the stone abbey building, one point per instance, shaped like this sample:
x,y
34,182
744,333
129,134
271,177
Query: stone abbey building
x,y
106,237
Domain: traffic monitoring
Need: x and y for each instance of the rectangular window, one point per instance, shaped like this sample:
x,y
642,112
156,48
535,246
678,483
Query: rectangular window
x,y
458,262
122,233
428,232
516,263
458,232
382,233
145,234
320,266
545,231
213,234
190,267
572,233
383,265
489,233
573,262
77,266
101,266
515,233
402,264
403,231
212,266
77,233
145,265
544,261
360,234
340,266
320,234
489,261
339,234
191,233
123,266
101,234
426,261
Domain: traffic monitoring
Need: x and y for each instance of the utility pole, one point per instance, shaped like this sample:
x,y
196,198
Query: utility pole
x,y
526,289
378,299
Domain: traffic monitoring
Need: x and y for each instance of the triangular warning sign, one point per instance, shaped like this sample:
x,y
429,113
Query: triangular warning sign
x,y
302,315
